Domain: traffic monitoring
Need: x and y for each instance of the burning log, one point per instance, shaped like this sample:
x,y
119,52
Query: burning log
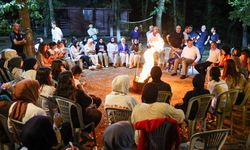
x,y
138,85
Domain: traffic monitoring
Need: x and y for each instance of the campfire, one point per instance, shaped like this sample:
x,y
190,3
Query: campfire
x,y
142,79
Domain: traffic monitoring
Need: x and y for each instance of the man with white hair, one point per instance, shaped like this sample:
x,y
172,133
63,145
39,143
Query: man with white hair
x,y
156,44
92,32
201,39
56,32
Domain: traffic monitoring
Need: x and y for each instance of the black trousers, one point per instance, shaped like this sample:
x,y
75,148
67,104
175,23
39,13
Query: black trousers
x,y
202,67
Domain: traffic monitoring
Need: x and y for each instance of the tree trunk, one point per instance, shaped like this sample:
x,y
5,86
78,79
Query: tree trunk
x,y
51,10
244,36
159,15
175,13
25,23
146,9
116,11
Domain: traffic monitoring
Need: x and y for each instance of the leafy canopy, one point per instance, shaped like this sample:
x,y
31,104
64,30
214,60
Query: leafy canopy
x,y
241,11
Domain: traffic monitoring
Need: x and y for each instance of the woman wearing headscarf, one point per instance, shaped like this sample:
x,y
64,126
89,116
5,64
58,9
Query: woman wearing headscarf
x,y
30,66
25,97
15,67
101,51
38,134
7,55
119,135
112,49
119,97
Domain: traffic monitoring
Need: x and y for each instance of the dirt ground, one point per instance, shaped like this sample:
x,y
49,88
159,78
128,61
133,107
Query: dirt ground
x,y
99,84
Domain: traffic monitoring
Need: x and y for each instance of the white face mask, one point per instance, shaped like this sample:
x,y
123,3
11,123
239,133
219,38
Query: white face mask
x,y
203,28
53,25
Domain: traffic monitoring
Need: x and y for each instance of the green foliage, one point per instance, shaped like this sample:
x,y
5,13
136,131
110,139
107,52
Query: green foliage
x,y
38,10
241,11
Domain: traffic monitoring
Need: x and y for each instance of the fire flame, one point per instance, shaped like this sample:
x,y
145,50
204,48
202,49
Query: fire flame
x,y
149,63
156,45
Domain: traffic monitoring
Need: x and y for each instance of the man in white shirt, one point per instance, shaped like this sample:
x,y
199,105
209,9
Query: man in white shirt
x,y
56,32
156,44
213,59
189,56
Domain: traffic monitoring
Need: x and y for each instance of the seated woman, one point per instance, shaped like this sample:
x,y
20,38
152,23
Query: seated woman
x,y
53,50
112,49
198,84
234,79
216,86
119,136
135,53
225,55
119,97
15,67
244,58
66,88
77,72
123,50
25,105
101,51
78,55
90,51
38,134
44,77
56,68
43,55
30,66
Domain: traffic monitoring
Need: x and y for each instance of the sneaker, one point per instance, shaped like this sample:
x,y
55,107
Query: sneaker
x,y
173,74
183,77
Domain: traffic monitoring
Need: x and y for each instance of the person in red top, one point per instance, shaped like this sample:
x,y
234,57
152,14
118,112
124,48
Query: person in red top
x,y
225,55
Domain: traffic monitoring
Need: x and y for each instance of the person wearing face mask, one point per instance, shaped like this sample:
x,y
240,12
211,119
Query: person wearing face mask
x,y
201,39
56,32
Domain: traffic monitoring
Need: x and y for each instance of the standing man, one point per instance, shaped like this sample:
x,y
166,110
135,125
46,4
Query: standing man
x,y
92,32
56,32
176,41
189,56
148,34
214,37
135,34
201,39
18,40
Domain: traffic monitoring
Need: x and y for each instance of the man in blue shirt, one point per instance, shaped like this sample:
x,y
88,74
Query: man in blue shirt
x,y
201,40
214,37
135,34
